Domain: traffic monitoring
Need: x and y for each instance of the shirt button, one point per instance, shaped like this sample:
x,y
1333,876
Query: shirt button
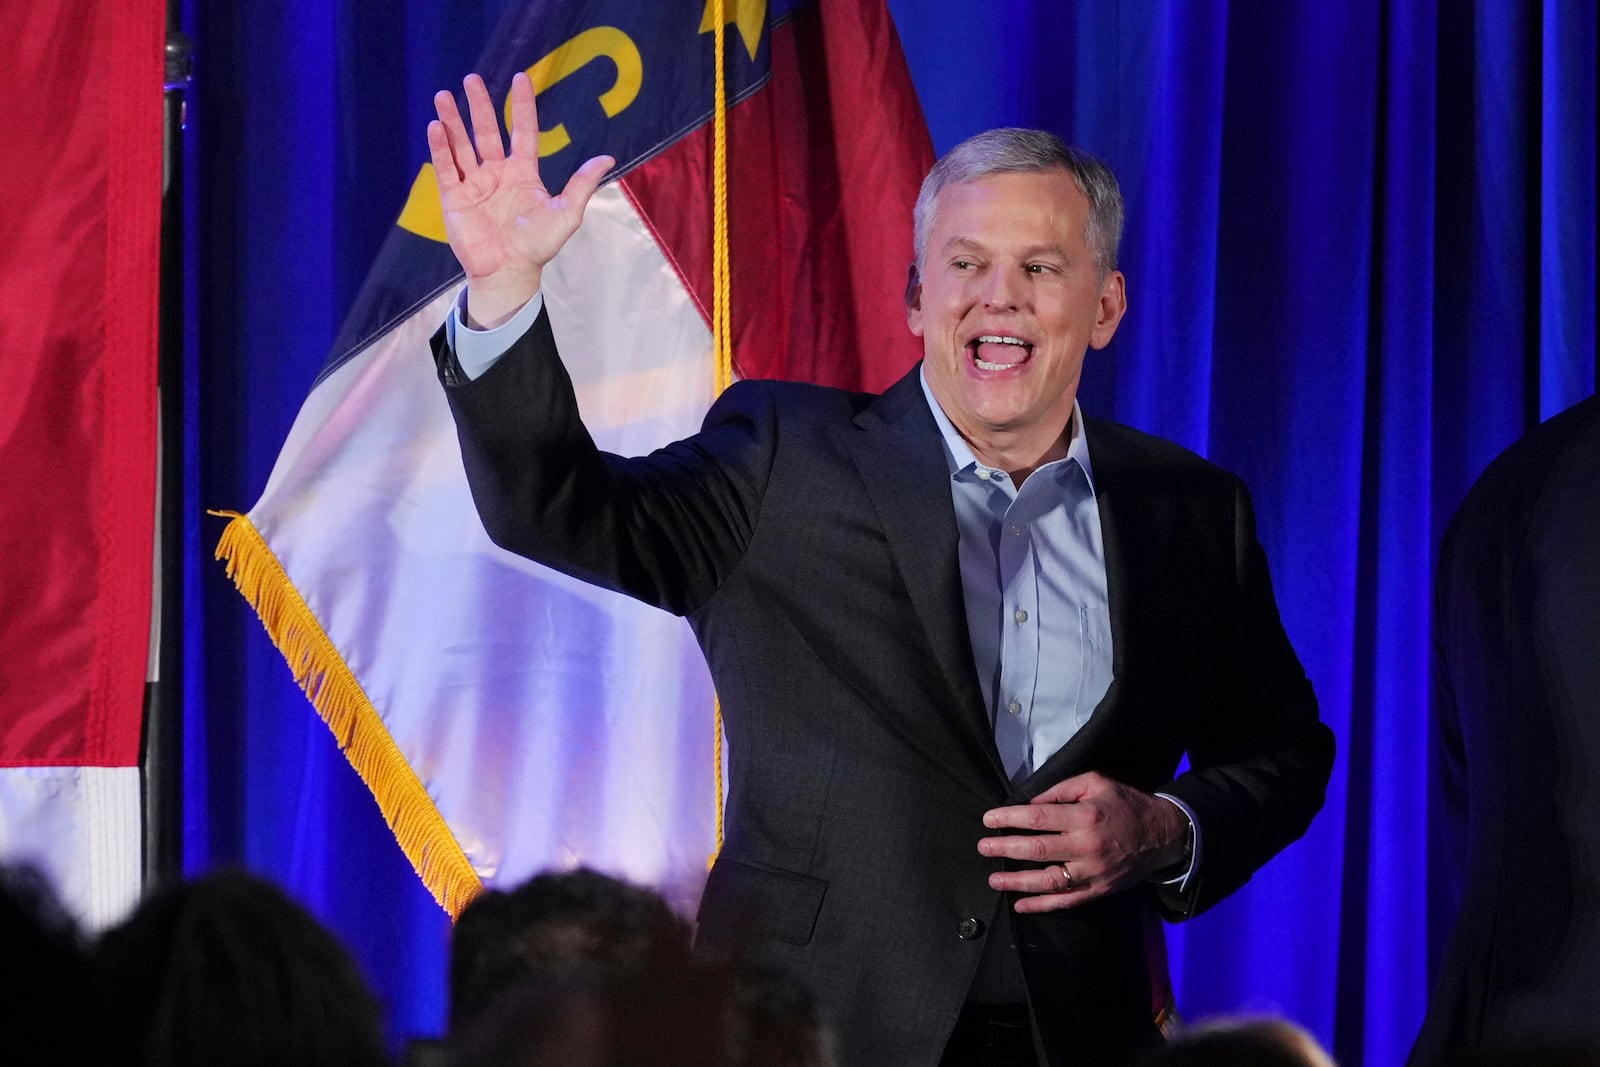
x,y
983,474
969,929
1015,707
1021,615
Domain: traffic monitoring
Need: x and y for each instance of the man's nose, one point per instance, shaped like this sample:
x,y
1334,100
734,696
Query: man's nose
x,y
1003,291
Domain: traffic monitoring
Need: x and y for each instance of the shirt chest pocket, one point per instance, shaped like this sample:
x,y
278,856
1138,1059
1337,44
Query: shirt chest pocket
x,y
1094,666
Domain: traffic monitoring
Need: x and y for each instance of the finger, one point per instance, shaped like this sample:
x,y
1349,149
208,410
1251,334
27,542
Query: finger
x,y
1045,890
1054,817
444,164
1032,848
524,118
444,105
1054,878
485,127
584,181
1070,790
1033,905
463,160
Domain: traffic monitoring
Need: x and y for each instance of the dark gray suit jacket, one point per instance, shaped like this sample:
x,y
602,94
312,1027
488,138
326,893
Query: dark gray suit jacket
x,y
1517,636
809,537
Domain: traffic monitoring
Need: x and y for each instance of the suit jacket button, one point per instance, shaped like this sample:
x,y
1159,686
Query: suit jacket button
x,y
969,929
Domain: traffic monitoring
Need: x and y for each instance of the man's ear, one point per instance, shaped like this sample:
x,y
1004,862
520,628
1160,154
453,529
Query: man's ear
x,y
1113,305
914,300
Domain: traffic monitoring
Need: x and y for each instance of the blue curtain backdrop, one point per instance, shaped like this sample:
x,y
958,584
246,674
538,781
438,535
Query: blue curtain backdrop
x,y
1361,261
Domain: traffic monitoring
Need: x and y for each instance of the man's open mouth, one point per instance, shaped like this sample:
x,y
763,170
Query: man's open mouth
x,y
996,352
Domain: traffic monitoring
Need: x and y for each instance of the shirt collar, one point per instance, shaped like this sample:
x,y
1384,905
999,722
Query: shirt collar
x,y
960,454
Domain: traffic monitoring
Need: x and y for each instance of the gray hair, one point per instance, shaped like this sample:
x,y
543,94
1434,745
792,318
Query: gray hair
x,y
1011,151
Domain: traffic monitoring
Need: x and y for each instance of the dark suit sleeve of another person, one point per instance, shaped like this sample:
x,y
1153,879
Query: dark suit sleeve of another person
x,y
664,529
1517,710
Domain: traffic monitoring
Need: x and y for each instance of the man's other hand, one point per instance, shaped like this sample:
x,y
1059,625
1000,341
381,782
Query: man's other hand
x,y
503,225
1092,836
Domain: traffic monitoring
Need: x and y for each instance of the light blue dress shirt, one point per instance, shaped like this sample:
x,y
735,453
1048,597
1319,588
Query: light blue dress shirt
x,y
1033,573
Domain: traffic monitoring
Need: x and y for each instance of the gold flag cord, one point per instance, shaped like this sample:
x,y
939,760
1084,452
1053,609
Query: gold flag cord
x,y
332,687
721,302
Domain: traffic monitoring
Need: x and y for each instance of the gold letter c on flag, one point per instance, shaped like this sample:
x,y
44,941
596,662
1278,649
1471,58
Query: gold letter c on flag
x,y
421,214
588,46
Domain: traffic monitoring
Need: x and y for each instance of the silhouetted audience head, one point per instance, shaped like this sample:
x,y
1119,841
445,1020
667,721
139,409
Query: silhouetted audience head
x,y
44,974
583,970
555,926
590,1020
694,1013
1248,1042
228,969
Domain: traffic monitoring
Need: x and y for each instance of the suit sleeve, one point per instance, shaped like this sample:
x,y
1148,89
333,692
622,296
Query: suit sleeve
x,y
666,528
1259,766
1450,754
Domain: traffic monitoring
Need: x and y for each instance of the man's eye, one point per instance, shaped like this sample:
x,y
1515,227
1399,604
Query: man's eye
x,y
1038,268
963,264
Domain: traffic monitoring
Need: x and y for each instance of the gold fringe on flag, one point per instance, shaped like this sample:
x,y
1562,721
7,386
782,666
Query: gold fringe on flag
x,y
721,305
320,670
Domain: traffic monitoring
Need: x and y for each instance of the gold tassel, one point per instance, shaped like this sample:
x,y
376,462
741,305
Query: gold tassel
x,y
320,670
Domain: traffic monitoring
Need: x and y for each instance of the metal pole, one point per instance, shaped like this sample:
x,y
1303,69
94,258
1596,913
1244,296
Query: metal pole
x,y
162,762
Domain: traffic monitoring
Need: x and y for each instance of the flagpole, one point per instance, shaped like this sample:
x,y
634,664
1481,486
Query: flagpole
x,y
161,760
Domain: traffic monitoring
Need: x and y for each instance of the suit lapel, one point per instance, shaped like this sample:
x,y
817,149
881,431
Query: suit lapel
x,y
896,447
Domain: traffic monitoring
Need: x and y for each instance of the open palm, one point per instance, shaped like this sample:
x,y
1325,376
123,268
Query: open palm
x,y
501,221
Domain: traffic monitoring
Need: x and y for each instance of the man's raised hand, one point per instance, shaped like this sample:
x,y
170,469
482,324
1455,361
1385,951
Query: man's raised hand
x,y
503,224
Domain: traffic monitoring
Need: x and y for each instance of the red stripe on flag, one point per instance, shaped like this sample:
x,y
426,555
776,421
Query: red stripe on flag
x,y
79,259
823,168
